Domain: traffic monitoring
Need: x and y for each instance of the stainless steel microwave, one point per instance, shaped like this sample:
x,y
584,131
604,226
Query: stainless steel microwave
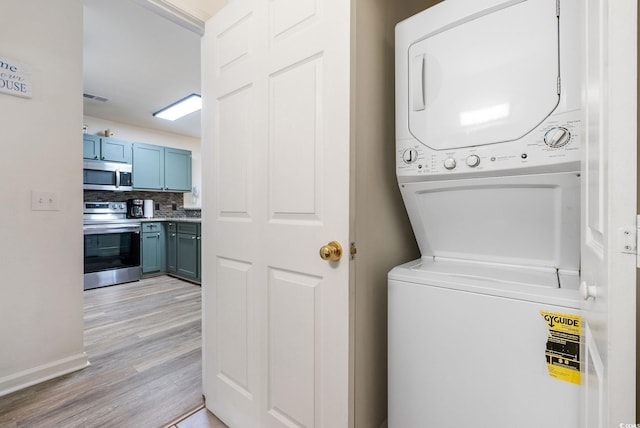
x,y
100,175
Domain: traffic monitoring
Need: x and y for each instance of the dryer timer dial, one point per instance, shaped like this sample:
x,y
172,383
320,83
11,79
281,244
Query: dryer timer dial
x,y
557,137
410,156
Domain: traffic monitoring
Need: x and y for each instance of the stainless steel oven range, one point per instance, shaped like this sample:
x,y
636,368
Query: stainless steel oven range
x,y
111,245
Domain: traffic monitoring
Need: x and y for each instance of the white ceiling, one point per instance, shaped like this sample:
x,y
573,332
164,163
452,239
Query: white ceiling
x,y
141,62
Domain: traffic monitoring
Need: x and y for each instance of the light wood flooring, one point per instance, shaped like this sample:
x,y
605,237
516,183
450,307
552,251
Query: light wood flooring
x,y
143,340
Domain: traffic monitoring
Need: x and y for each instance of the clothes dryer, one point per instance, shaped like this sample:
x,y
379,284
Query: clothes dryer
x,y
488,87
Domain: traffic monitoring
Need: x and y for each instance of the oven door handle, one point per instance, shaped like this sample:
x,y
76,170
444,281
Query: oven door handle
x,y
103,230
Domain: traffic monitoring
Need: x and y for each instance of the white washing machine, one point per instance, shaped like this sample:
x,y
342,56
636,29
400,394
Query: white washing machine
x,y
485,328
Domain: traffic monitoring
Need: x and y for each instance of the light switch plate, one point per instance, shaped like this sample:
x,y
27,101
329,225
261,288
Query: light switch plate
x,y
45,201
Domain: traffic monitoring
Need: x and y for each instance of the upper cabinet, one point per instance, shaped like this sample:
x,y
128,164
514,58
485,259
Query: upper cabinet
x,y
106,149
161,168
177,169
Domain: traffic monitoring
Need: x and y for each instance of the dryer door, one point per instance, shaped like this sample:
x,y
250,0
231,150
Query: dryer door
x,y
485,78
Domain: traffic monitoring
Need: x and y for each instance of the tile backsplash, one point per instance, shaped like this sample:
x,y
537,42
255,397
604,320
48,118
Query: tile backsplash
x,y
164,202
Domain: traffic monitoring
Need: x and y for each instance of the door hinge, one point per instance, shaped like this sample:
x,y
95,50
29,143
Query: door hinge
x,y
628,237
353,250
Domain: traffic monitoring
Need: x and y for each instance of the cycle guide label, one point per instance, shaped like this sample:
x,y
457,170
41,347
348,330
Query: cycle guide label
x,y
563,346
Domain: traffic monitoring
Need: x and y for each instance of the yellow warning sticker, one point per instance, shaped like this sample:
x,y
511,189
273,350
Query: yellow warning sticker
x,y
563,346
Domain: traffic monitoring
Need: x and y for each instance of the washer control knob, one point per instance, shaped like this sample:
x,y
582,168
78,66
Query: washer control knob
x,y
410,156
557,137
473,161
449,163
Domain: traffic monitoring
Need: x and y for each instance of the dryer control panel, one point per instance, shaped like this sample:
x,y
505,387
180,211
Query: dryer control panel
x,y
552,145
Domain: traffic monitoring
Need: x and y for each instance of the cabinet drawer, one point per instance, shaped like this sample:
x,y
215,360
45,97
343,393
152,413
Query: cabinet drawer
x,y
191,228
151,227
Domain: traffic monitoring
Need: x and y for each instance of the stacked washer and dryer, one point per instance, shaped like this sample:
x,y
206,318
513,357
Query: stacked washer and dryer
x,y
484,329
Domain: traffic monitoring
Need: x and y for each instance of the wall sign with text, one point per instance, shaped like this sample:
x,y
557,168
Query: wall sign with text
x,y
15,78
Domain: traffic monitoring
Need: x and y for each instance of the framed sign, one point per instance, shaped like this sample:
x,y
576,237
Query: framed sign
x,y
15,78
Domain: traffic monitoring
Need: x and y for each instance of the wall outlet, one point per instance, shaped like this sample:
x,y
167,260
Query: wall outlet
x,y
45,201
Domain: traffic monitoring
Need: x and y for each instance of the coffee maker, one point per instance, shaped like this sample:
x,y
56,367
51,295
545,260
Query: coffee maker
x,y
135,208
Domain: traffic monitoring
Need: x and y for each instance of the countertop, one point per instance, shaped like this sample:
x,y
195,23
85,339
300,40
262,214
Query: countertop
x,y
176,219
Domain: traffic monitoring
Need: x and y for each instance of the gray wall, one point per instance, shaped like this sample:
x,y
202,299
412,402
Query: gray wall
x,y
380,226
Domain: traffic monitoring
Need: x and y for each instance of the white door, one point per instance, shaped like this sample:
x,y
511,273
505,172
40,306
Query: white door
x,y
276,188
609,192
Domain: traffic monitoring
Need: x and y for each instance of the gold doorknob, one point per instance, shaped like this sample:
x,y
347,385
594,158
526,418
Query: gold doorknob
x,y
332,251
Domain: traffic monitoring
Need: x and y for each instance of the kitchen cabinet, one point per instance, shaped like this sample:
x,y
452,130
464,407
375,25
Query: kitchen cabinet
x,y
172,242
187,251
199,256
177,169
173,247
106,149
153,247
161,168
90,147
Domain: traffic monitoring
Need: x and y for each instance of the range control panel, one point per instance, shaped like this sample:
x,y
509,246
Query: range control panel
x,y
556,141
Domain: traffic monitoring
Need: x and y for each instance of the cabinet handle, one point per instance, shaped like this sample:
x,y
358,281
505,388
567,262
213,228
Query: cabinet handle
x,y
95,157
193,237
158,235
199,238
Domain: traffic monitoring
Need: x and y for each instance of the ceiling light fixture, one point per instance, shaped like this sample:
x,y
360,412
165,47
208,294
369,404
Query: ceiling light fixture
x,y
180,108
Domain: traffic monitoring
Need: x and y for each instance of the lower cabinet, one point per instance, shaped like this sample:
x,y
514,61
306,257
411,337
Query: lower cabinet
x,y
187,253
152,248
172,248
183,250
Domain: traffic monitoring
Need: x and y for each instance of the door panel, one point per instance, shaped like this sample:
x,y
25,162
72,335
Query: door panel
x,y
289,15
233,330
276,92
294,338
233,43
234,189
294,141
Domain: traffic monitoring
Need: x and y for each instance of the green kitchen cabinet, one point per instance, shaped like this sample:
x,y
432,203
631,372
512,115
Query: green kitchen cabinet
x,y
90,146
177,169
106,149
199,241
187,254
114,150
161,168
153,247
148,167
172,248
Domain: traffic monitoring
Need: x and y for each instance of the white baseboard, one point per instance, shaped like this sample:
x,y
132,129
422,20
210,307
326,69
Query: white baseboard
x,y
42,373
